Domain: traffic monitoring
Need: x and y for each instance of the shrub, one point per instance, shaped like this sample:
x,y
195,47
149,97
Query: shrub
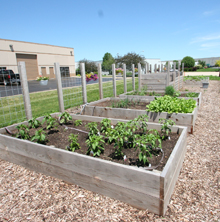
x,y
194,68
190,69
169,90
188,61
186,69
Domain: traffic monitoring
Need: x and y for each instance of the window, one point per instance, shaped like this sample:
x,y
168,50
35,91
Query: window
x,y
64,71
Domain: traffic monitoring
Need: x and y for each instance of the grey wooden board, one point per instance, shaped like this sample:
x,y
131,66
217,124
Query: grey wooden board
x,y
153,81
122,175
153,76
95,184
155,87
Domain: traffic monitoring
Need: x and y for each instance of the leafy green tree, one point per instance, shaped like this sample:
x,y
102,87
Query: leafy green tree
x,y
129,59
217,63
90,66
188,61
107,62
202,63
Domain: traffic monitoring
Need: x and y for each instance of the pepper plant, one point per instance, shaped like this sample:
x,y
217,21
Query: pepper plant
x,y
39,136
78,122
105,125
50,121
165,127
23,132
65,117
95,145
34,123
74,145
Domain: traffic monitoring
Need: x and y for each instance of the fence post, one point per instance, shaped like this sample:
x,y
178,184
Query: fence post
x,y
133,77
162,68
83,79
178,76
100,81
174,75
155,68
114,80
124,77
183,69
147,68
139,77
168,73
59,86
159,68
25,90
150,68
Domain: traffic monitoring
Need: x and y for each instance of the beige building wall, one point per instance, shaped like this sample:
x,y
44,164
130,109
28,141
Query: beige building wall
x,y
46,56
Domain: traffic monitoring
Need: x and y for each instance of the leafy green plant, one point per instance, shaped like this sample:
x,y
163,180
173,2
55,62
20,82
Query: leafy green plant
x,y
50,122
188,61
105,125
169,90
74,145
23,132
39,136
93,128
34,123
95,145
65,117
192,94
78,122
176,93
171,105
165,128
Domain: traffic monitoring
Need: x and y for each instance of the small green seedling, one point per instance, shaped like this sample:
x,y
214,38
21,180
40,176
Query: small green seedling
x,y
65,117
78,122
23,132
34,123
39,136
74,145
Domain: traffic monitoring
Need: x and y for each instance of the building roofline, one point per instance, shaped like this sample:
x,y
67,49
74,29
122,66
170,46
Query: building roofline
x,y
37,43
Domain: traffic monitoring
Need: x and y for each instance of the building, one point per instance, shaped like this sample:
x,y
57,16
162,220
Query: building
x,y
39,58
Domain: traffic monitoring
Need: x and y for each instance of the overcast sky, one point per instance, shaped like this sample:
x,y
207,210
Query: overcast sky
x,y
153,28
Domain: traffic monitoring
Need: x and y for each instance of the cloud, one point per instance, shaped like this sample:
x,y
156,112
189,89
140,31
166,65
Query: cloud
x,y
209,13
210,46
205,38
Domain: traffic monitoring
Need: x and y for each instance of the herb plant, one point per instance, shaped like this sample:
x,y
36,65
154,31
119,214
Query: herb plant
x,y
65,117
192,94
74,145
39,136
23,132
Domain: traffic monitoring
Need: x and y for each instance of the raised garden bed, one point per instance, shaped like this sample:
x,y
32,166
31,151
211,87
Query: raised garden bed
x,y
197,80
151,98
103,108
140,188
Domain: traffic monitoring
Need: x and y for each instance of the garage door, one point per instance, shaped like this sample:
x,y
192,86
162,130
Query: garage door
x,y
30,63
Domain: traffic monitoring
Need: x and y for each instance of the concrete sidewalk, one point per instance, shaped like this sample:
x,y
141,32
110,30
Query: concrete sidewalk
x,y
201,73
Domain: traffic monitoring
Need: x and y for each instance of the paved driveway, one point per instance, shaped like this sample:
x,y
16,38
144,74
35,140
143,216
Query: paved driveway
x,y
34,86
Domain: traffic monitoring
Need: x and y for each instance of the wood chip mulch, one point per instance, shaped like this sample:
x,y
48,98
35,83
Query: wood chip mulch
x,y
29,196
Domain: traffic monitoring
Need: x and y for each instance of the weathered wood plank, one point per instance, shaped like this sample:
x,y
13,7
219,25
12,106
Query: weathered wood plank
x,y
153,76
153,81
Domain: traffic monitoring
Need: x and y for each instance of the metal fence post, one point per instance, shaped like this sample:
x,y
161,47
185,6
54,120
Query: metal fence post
x,y
25,90
83,79
100,81
139,77
114,80
124,77
59,86
133,77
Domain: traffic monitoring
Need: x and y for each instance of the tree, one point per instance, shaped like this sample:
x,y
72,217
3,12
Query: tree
x,y
107,62
202,63
217,63
129,59
188,62
90,66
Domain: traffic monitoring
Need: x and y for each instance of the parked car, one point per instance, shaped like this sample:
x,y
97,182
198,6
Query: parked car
x,y
8,76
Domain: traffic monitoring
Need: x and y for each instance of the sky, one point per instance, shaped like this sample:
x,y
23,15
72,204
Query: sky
x,y
161,29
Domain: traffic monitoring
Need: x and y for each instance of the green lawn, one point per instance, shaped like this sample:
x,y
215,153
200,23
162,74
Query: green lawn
x,y
12,108
208,70
198,78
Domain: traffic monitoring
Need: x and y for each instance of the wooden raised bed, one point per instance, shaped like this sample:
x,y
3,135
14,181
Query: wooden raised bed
x,y
138,187
182,119
151,98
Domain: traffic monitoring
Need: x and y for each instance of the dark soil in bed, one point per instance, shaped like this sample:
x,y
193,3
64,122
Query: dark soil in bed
x,y
58,138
